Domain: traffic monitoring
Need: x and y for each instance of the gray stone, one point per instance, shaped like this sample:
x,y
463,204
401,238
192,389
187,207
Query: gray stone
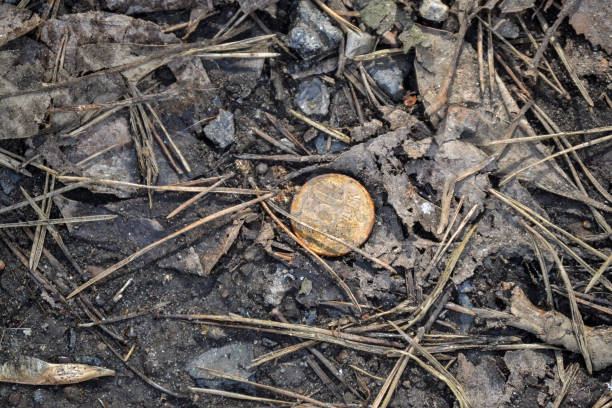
x,y
379,15
8,180
321,145
312,33
358,44
506,28
41,397
230,359
277,285
434,10
389,74
261,168
313,97
221,130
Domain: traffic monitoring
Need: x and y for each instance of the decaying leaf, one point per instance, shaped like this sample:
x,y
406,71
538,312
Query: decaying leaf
x,y
593,18
15,22
32,371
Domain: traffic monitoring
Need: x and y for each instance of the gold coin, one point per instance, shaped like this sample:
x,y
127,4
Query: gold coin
x,y
335,204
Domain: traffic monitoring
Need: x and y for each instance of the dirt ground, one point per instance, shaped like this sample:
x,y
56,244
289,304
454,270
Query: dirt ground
x,y
502,313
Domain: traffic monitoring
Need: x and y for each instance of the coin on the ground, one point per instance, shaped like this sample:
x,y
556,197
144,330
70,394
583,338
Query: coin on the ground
x,y
337,205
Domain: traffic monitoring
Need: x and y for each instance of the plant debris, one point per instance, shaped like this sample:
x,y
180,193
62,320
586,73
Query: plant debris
x,y
32,371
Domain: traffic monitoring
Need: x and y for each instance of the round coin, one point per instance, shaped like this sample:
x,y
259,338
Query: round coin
x,y
337,205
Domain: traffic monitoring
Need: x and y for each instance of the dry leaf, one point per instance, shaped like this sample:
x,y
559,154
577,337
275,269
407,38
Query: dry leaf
x,y
15,22
30,370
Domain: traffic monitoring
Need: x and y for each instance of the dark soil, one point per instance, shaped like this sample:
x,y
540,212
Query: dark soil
x,y
248,279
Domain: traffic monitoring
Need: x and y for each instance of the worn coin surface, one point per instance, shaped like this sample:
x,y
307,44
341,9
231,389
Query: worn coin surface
x,y
335,204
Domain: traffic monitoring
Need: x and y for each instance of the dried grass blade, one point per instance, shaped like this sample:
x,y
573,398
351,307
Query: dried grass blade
x,y
557,154
276,390
55,221
577,322
280,353
41,230
598,274
198,196
436,369
322,127
238,396
339,19
168,187
173,145
59,191
531,215
444,277
549,136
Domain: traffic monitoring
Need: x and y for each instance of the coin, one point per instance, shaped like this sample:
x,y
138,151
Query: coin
x,y
336,204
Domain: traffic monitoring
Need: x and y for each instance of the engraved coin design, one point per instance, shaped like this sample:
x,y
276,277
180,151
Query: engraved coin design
x,y
338,205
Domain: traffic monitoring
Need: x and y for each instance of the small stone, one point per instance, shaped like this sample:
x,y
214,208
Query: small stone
x,y
63,360
389,74
313,32
343,356
313,97
309,317
221,130
269,343
261,168
39,397
434,10
73,394
99,300
506,28
379,15
278,285
229,359
321,145
310,134
8,180
358,44
93,361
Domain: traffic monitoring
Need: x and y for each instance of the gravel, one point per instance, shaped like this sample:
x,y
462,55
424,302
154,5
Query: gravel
x,y
221,130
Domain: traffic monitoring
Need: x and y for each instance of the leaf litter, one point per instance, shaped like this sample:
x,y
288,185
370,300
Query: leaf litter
x,y
482,201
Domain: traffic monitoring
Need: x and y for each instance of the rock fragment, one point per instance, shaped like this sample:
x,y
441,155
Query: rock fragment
x,y
434,10
221,130
358,44
389,74
313,33
313,97
230,359
506,28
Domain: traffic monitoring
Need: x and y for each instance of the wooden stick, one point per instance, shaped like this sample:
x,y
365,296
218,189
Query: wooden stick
x,y
198,196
